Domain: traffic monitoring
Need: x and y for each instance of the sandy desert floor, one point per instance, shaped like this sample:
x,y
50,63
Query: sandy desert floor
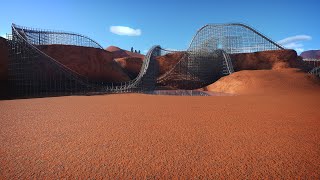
x,y
146,136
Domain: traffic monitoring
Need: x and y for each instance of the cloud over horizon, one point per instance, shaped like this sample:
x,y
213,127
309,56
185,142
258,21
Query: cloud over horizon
x,y
294,42
125,31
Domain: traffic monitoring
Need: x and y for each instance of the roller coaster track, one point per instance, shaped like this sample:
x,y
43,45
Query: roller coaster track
x,y
206,59
315,71
311,60
224,39
235,38
24,52
189,65
316,65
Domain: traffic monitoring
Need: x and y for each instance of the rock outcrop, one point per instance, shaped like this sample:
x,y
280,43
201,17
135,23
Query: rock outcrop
x,y
275,59
96,64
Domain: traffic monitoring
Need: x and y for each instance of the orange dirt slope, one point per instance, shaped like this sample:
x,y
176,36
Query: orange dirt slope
x,y
282,81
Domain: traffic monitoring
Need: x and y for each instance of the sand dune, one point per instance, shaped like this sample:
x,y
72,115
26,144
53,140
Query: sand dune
x,y
281,81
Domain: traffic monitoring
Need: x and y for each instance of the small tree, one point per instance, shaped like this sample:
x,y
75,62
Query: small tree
x,y
139,51
131,49
135,51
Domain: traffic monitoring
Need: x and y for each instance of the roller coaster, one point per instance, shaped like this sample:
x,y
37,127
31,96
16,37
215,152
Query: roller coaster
x,y
206,60
315,64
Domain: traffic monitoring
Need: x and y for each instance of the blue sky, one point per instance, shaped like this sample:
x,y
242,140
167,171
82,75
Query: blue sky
x,y
169,23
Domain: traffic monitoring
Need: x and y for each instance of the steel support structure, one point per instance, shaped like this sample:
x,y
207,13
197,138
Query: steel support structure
x,y
33,73
207,58
315,64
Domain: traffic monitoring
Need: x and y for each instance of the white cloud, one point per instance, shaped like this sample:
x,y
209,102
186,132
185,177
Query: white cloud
x,y
295,42
168,50
125,31
145,51
299,50
172,49
294,39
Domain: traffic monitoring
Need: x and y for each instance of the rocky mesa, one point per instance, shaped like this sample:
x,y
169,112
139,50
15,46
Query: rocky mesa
x,y
311,54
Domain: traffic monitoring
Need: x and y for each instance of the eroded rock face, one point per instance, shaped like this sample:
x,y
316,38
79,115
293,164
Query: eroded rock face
x,y
96,64
312,54
275,59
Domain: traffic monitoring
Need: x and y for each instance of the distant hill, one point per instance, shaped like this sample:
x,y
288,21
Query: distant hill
x,y
312,54
121,53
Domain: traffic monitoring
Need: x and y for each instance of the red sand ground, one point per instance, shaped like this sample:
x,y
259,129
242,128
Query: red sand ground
x,y
144,136
270,130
